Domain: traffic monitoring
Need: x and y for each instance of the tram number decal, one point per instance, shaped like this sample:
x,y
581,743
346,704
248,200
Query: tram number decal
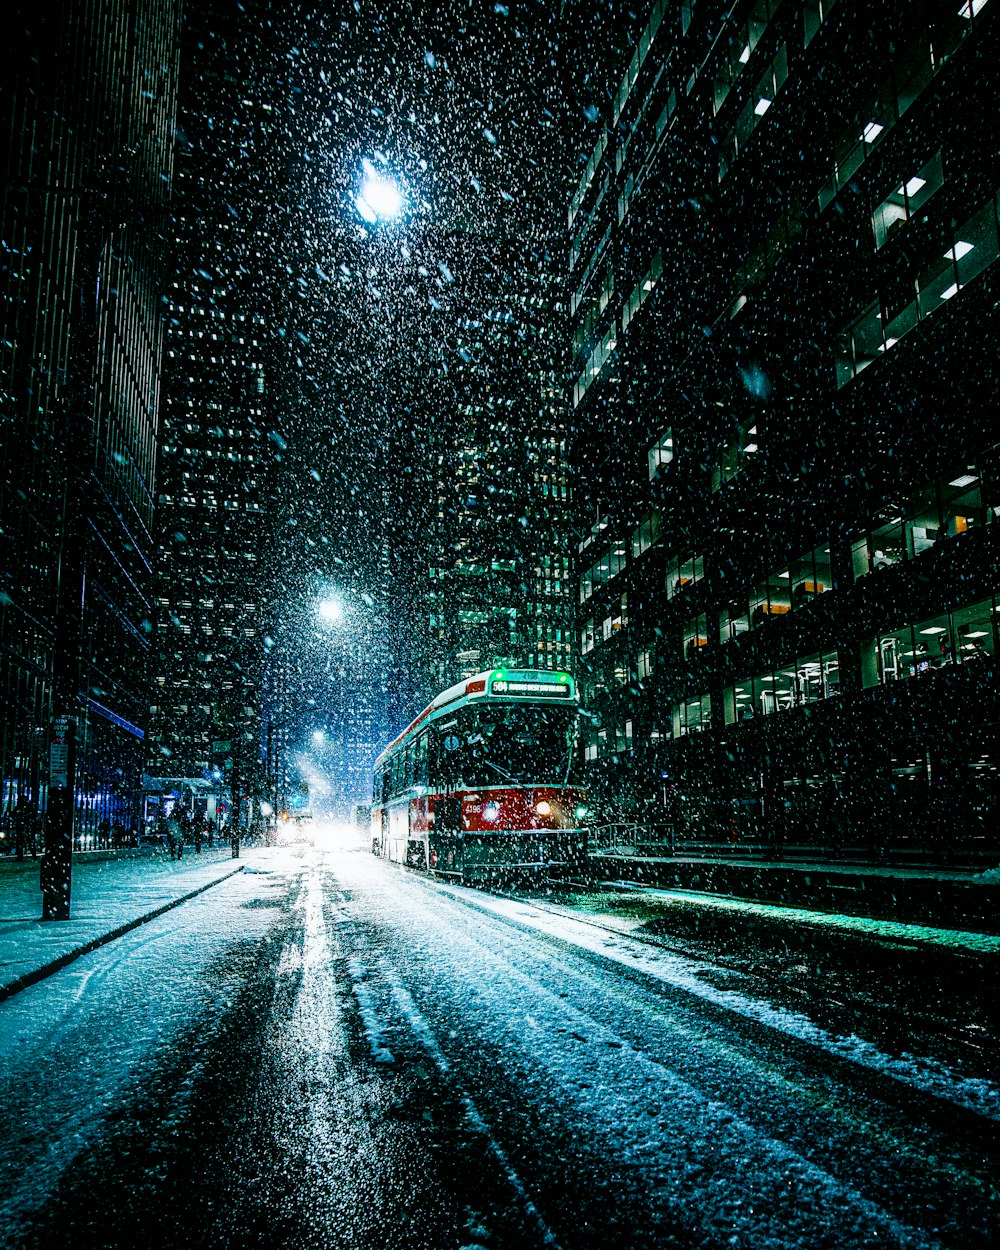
x,y
552,690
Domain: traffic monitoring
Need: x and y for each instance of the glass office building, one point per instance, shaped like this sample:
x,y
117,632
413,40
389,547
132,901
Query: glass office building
x,y
783,286
88,125
495,557
214,500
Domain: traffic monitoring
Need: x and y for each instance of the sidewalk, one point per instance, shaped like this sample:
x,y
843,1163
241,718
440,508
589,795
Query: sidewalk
x,y
110,896
946,897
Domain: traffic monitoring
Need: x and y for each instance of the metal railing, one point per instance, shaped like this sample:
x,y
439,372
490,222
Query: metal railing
x,y
631,837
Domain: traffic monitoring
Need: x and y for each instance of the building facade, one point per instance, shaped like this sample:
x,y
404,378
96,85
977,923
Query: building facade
x,y
89,107
214,516
782,250
495,549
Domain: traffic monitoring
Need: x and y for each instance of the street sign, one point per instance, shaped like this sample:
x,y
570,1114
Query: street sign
x,y
59,755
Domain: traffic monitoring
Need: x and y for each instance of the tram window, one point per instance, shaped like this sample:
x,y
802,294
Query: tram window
x,y
420,760
513,743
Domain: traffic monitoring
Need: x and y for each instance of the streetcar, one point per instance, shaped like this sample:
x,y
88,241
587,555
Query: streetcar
x,y
481,784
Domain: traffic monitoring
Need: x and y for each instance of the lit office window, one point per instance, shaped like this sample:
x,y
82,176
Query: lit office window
x,y
786,590
587,637
907,198
944,509
972,248
694,636
646,534
809,679
661,453
683,571
692,715
966,636
733,455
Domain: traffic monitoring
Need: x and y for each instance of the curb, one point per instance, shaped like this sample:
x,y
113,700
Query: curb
x,y
57,964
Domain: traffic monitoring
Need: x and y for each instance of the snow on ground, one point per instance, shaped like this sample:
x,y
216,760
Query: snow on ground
x,y
573,1070
107,894
72,1045
656,961
894,930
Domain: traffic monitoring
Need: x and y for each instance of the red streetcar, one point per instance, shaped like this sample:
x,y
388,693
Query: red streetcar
x,y
481,783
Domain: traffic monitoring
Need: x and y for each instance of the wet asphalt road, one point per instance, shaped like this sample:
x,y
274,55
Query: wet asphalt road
x,y
340,1054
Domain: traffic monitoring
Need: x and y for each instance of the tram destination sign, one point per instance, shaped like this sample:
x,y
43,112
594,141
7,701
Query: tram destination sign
x,y
532,689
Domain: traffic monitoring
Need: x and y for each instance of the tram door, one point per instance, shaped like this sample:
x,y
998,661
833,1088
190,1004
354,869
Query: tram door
x,y
448,834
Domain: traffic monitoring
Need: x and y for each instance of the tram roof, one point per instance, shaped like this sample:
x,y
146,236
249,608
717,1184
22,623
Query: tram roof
x,y
479,685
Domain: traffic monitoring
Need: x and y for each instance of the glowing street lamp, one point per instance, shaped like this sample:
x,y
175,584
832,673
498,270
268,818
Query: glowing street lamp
x,y
330,610
379,199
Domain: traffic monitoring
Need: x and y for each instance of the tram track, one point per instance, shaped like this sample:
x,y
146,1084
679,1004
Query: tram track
x,y
543,1018
945,1094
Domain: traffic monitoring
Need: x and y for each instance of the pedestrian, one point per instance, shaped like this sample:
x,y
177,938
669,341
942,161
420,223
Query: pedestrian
x,y
22,820
104,833
175,837
197,835
117,834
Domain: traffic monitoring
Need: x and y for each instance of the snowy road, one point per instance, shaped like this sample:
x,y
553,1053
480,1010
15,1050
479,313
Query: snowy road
x,y
340,1054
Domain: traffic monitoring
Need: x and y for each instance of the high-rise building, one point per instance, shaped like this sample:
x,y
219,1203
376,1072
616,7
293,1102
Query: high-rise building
x,y
494,553
88,104
783,246
214,515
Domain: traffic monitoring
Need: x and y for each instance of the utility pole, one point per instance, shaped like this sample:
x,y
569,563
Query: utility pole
x,y
234,791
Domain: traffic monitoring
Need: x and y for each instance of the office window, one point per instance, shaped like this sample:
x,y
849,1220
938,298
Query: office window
x,y
810,576
623,738
694,636
603,570
733,621
646,535
646,663
973,247
808,679
771,597
967,636
740,49
692,715
661,453
587,637
616,621
786,590
906,199
683,571
586,585
941,510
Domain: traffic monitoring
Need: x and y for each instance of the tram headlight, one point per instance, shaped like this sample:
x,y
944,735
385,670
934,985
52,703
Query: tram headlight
x,y
543,808
490,812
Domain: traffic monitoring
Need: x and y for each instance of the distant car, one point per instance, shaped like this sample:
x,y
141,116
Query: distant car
x,y
303,817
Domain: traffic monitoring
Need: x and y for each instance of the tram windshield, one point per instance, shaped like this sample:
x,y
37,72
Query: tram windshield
x,y
505,744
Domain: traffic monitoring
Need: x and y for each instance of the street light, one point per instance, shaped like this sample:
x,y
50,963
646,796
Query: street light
x,y
379,199
330,610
